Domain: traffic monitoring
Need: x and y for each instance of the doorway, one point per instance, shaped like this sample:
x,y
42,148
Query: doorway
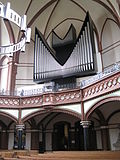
x,y
60,137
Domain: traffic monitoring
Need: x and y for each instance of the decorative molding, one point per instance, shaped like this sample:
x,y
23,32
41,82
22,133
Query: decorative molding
x,y
9,102
105,86
85,124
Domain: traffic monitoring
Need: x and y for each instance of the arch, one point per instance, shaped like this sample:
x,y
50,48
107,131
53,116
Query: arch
x,y
51,119
107,19
3,58
40,11
50,17
112,114
42,120
99,103
3,125
101,116
67,111
111,11
8,116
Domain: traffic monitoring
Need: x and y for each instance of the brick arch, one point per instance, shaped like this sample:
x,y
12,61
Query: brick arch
x,y
8,116
3,58
67,111
99,103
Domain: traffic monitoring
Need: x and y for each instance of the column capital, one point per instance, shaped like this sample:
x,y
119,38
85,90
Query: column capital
x,y
85,124
20,127
104,127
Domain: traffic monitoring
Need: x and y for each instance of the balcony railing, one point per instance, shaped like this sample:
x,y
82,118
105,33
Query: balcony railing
x,y
51,88
107,72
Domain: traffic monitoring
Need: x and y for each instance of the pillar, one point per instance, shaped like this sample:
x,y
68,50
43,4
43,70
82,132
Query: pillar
x,y
19,129
86,125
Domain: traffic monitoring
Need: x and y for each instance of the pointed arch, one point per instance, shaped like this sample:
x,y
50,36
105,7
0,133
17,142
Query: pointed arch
x,y
8,116
99,103
67,111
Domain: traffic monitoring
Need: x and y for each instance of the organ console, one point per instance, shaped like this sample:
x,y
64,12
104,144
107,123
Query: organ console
x,y
81,60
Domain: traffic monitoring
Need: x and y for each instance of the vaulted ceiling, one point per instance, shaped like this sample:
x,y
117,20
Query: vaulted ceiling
x,y
57,15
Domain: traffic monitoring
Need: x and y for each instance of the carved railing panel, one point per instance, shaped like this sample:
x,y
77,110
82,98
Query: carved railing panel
x,y
67,97
105,86
51,99
9,102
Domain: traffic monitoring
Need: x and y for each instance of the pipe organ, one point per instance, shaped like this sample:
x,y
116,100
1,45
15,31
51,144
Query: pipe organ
x,y
80,62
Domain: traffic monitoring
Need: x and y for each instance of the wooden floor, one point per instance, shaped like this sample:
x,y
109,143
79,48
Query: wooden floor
x,y
60,155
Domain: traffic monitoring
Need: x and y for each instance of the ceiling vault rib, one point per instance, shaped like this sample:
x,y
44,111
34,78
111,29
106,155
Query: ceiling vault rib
x,y
117,18
104,27
39,12
101,116
79,6
50,17
43,119
112,114
76,19
118,2
29,5
112,7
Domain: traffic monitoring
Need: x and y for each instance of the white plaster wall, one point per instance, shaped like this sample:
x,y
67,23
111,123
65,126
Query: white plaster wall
x,y
4,34
72,107
99,140
12,112
113,133
10,141
111,34
28,141
4,75
49,141
27,112
24,75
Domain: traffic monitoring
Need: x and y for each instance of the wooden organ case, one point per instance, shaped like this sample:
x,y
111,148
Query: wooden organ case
x,y
51,63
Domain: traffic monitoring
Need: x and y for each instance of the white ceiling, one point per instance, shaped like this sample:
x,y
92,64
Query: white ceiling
x,y
57,15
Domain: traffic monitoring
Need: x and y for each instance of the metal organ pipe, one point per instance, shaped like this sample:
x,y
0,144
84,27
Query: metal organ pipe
x,y
81,60
81,57
90,45
87,48
38,56
35,50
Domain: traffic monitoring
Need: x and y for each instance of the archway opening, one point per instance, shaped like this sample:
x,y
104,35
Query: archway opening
x,y
61,136
52,131
106,120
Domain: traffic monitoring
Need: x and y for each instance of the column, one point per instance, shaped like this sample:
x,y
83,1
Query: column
x,y
86,125
105,137
19,129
